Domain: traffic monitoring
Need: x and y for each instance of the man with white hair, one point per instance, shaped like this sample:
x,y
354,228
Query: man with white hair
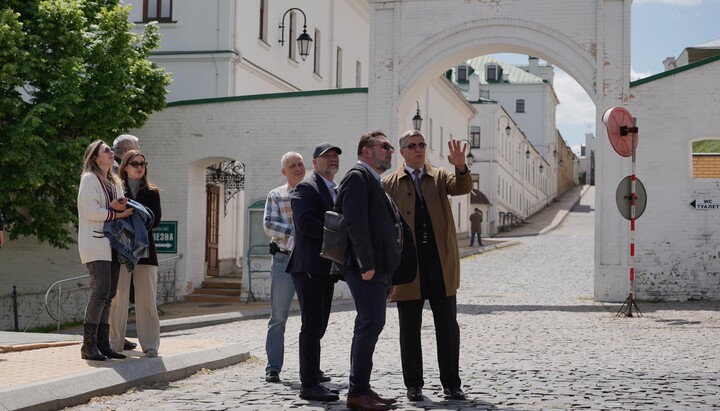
x,y
122,144
279,227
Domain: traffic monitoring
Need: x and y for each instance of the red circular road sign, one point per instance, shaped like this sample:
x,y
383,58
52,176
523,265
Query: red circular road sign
x,y
618,121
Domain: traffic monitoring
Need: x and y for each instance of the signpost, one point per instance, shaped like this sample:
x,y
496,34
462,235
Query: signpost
x,y
165,236
705,204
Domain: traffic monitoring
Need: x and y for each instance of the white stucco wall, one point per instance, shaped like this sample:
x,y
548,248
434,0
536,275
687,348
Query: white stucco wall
x,y
677,246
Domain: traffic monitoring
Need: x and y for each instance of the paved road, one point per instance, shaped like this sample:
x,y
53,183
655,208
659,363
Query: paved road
x,y
532,338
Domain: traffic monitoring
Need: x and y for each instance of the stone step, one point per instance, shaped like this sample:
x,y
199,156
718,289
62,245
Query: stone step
x,y
218,291
211,298
222,282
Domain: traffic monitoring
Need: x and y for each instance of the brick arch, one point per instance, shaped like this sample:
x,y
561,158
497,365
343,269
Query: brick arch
x,y
452,45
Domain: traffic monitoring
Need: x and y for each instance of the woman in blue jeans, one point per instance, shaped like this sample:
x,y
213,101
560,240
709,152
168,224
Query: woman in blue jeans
x,y
100,199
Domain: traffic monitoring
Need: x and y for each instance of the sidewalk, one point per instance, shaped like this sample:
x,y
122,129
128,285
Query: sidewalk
x,y
41,371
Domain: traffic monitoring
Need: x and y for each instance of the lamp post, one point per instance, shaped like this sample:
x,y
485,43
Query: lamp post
x,y
554,149
417,120
303,40
508,130
527,151
469,158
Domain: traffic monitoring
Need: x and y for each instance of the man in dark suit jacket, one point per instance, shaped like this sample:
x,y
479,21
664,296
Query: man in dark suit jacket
x,y
310,272
375,232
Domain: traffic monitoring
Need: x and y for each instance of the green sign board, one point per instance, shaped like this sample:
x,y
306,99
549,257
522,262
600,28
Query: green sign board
x,y
165,236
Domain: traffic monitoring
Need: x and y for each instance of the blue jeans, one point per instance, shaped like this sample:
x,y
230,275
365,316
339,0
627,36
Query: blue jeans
x,y
282,290
472,238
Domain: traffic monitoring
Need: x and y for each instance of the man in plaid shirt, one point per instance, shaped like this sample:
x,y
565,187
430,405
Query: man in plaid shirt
x,y
279,226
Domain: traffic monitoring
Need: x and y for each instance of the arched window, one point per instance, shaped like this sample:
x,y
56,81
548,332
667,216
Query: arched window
x,y
706,158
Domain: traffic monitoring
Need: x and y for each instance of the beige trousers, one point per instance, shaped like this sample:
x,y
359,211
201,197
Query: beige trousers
x,y
147,320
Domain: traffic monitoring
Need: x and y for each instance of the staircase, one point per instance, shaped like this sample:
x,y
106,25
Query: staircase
x,y
217,290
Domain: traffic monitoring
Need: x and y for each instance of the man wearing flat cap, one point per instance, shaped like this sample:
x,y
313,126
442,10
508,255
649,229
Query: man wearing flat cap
x,y
309,201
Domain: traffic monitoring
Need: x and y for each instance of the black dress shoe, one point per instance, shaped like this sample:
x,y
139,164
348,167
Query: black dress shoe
x,y
456,393
317,393
322,377
272,376
127,345
415,394
332,390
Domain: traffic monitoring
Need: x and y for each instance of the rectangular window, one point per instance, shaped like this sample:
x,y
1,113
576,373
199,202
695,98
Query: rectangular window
x,y
338,68
291,36
316,53
462,71
520,105
157,10
475,181
475,137
491,72
263,32
358,74
430,134
442,140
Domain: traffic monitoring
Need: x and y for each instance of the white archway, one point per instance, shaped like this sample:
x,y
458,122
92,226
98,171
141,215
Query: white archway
x,y
413,41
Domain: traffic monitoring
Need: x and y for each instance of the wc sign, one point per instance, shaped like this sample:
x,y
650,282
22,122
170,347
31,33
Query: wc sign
x,y
165,237
705,204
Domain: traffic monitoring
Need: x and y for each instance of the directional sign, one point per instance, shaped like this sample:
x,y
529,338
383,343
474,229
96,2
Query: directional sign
x,y
705,204
165,237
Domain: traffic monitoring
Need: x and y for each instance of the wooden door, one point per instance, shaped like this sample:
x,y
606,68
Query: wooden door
x,y
212,224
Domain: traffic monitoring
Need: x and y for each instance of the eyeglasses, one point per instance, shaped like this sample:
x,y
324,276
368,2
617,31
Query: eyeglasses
x,y
413,146
385,146
107,150
136,164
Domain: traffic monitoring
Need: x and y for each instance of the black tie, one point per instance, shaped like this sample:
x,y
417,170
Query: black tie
x,y
416,180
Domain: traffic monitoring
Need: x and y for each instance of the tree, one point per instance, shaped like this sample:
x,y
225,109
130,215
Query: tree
x,y
71,71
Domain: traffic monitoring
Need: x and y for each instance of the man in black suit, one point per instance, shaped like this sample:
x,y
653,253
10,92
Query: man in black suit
x,y
310,272
375,232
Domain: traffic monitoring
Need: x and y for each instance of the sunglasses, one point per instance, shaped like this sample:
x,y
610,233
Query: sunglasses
x,y
107,150
385,146
413,146
136,164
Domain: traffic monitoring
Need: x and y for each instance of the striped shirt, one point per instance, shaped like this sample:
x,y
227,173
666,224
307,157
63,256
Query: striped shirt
x,y
277,219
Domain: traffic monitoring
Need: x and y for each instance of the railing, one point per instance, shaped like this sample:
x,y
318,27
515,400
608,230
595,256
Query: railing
x,y
254,266
68,308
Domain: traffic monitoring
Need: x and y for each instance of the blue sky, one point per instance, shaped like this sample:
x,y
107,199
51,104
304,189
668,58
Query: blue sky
x,y
660,29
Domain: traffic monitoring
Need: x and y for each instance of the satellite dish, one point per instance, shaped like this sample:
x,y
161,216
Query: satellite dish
x,y
619,123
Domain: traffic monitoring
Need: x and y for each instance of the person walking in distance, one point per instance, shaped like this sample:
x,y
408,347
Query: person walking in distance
x,y
100,198
375,243
310,272
133,172
279,227
421,192
476,220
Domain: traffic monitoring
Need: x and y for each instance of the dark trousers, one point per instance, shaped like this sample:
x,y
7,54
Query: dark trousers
x,y
371,304
315,293
103,286
472,237
447,335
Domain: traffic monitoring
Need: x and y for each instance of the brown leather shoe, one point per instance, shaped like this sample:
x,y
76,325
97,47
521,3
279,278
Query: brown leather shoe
x,y
365,403
377,398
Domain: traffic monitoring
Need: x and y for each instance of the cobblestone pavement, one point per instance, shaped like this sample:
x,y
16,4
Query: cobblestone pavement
x,y
531,338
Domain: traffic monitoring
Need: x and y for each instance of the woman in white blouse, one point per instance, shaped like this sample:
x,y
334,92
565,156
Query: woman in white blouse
x,y
100,199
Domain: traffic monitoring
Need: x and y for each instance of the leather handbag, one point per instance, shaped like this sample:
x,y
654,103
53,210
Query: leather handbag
x,y
335,238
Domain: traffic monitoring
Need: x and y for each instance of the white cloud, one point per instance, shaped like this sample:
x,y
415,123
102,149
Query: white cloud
x,y
637,75
576,108
684,3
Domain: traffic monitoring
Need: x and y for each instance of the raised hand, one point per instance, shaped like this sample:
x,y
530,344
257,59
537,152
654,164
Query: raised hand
x,y
456,154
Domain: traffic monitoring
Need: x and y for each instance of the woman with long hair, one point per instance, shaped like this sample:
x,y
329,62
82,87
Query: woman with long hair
x,y
100,199
133,172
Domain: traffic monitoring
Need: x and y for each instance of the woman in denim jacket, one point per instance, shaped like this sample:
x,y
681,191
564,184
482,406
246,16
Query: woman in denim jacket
x,y
100,198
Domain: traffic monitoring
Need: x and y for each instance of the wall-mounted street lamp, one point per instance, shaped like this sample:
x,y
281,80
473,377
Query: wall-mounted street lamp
x,y
554,149
303,40
417,120
469,158
541,166
527,150
508,130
